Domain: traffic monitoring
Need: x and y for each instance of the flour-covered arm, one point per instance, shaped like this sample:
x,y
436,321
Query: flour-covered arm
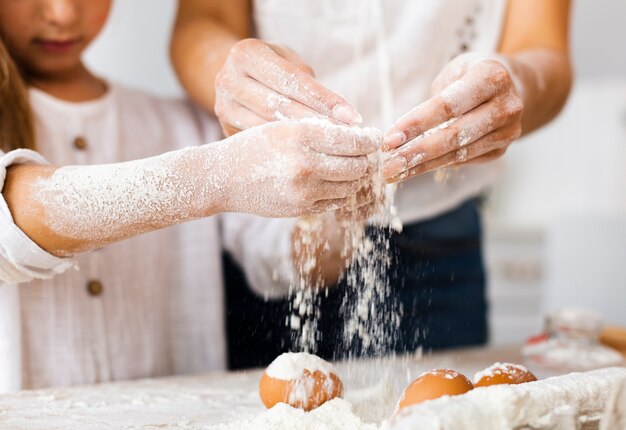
x,y
281,169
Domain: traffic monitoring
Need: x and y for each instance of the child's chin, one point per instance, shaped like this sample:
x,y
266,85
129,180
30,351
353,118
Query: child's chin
x,y
50,65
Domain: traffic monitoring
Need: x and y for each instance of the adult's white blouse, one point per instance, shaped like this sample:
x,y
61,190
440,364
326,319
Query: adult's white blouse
x,y
383,55
158,306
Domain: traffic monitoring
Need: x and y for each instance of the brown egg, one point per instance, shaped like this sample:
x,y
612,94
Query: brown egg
x,y
434,384
307,391
503,373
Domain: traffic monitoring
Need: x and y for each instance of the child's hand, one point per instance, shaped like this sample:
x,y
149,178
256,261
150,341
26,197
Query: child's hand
x,y
295,168
261,83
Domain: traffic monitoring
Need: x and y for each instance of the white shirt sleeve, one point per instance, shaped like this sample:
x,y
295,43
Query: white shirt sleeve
x,y
21,259
262,247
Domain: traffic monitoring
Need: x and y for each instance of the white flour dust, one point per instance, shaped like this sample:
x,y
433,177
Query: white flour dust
x,y
412,147
290,365
263,171
500,369
564,402
576,401
334,415
297,368
306,288
370,318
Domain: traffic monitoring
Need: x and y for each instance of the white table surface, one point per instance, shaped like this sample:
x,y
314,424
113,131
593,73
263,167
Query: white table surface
x,y
199,401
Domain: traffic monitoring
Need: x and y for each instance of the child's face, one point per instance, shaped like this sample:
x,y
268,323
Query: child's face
x,y
47,37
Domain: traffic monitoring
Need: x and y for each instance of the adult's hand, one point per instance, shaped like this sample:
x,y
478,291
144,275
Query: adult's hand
x,y
474,114
260,83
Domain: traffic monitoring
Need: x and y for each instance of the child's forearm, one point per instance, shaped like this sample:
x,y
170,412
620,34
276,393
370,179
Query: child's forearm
x,y
280,169
73,209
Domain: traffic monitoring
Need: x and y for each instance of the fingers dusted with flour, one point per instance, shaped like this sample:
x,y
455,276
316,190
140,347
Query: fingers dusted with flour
x,y
300,167
446,129
272,83
481,102
481,83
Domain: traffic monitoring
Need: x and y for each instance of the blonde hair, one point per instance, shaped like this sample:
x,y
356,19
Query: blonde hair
x,y
16,122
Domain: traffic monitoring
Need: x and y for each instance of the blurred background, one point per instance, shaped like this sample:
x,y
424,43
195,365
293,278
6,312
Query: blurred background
x,y
556,222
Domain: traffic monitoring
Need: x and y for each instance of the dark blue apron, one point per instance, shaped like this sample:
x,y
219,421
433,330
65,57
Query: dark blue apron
x,y
437,276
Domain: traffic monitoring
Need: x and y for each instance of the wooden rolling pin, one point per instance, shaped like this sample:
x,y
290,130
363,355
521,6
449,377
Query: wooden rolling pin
x,y
615,337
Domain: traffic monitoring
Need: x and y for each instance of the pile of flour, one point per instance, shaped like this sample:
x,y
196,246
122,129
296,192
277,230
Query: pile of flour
x,y
290,365
334,415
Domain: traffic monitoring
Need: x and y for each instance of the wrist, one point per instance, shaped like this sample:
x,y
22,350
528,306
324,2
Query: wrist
x,y
207,177
222,176
523,76
545,76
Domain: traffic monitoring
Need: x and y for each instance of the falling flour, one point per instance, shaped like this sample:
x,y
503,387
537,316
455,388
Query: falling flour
x,y
370,317
305,288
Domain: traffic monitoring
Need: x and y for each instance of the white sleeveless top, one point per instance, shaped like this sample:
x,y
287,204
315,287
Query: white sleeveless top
x,y
346,41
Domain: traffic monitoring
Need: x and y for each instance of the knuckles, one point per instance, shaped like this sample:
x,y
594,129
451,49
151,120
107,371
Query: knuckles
x,y
223,79
220,108
445,105
226,86
497,72
303,170
515,106
222,113
243,48
452,138
352,188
